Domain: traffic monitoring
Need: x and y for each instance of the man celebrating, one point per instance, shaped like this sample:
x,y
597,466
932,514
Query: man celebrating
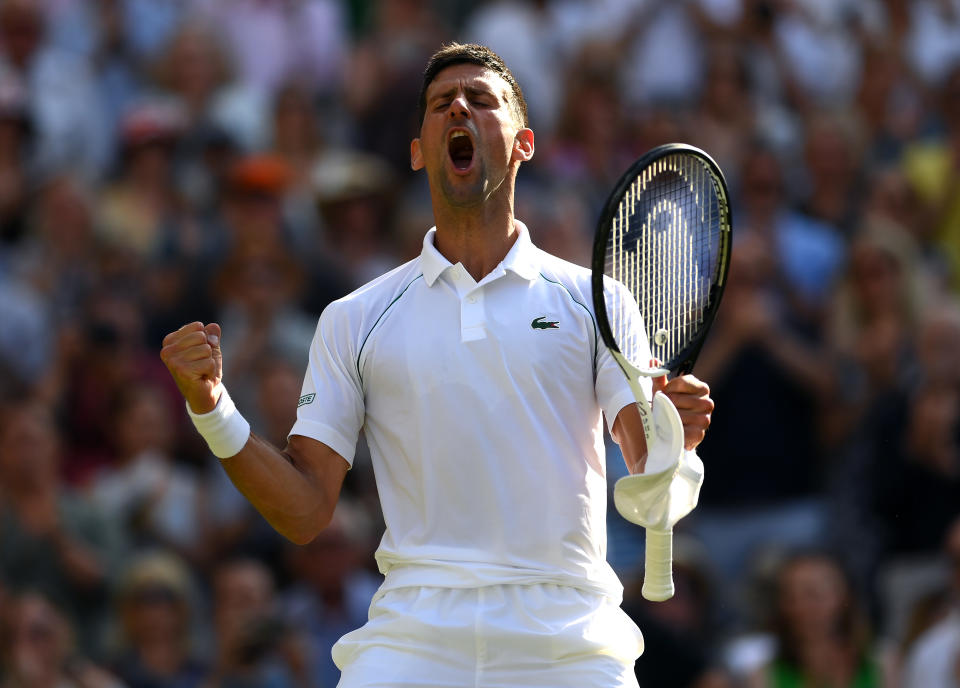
x,y
476,375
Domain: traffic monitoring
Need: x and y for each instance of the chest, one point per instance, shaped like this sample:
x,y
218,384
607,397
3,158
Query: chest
x,y
506,339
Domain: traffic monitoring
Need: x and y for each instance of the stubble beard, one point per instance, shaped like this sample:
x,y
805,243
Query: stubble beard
x,y
461,193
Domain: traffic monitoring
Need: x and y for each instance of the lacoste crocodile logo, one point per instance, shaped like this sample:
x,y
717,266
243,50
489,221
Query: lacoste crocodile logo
x,y
538,324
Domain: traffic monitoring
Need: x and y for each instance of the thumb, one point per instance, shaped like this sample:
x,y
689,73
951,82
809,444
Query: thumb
x,y
659,383
213,335
213,339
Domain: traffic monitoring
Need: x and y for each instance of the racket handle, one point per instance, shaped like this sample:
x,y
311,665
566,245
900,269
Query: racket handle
x,y
658,566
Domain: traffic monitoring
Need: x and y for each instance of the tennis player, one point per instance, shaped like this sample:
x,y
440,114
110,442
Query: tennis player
x,y
476,374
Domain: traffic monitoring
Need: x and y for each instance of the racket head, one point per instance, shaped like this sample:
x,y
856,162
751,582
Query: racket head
x,y
662,252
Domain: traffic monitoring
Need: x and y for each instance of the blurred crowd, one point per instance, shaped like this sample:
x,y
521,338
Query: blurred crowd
x,y
247,162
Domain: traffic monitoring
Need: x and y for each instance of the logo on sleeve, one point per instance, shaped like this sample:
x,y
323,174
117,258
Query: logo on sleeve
x,y
539,324
306,399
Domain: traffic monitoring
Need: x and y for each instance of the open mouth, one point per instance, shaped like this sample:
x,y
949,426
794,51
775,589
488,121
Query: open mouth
x,y
460,148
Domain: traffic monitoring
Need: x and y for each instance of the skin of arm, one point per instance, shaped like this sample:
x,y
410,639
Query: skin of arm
x,y
689,395
295,489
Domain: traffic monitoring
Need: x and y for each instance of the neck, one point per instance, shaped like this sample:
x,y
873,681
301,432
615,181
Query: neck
x,y
478,237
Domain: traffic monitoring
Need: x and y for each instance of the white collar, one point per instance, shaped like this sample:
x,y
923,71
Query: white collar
x,y
521,259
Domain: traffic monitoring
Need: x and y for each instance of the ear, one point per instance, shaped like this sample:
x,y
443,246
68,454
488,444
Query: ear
x,y
523,146
416,155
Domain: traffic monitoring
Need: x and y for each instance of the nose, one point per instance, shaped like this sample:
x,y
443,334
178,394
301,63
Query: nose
x,y
459,107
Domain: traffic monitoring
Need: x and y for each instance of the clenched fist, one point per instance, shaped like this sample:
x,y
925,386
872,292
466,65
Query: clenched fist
x,y
192,355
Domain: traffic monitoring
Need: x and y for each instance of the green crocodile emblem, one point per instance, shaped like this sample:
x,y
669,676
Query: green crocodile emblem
x,y
538,324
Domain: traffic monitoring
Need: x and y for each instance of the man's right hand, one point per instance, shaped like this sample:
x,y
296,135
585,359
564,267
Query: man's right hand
x,y
192,355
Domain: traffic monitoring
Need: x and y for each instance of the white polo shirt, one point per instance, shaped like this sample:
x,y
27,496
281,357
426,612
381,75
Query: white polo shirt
x,y
481,404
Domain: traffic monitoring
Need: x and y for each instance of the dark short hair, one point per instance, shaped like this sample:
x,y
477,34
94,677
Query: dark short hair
x,y
471,53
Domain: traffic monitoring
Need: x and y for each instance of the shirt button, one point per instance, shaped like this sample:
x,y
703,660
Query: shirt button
x,y
471,299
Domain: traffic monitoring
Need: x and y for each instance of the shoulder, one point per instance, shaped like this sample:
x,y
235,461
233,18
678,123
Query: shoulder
x,y
575,279
375,296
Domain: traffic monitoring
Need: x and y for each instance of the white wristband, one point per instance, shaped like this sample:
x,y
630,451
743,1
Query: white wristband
x,y
224,429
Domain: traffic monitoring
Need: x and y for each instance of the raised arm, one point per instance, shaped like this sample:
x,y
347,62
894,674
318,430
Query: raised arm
x,y
295,489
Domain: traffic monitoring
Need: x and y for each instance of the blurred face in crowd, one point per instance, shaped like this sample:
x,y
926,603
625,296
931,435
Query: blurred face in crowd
x,y
812,597
195,67
829,156
295,128
21,30
876,276
64,218
470,136
265,282
39,641
154,611
938,341
891,198
326,563
762,185
143,423
255,218
726,83
243,593
28,449
278,390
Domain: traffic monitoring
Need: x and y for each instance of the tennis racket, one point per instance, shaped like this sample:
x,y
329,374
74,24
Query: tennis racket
x,y
660,260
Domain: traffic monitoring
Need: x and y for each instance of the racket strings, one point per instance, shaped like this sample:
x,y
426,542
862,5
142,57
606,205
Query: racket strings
x,y
664,249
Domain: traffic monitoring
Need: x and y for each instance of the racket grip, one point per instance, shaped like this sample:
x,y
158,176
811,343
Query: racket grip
x,y
658,566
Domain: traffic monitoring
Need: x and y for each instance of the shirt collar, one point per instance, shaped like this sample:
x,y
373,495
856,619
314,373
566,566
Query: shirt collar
x,y
521,259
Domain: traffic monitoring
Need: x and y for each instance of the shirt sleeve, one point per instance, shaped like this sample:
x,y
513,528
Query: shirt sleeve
x,y
612,389
331,408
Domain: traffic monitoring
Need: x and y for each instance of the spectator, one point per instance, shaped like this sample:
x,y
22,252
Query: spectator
x,y
874,315
156,614
136,211
62,97
254,646
52,540
934,661
355,195
384,76
761,363
258,289
306,39
808,254
832,155
822,636
724,117
157,499
525,35
333,588
102,359
195,69
37,649
298,139
678,633
16,134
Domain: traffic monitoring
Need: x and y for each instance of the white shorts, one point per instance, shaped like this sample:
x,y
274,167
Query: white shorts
x,y
500,636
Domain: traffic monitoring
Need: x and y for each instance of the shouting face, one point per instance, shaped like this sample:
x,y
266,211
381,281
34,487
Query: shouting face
x,y
471,139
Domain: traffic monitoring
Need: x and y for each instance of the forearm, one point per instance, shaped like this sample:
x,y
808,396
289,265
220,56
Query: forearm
x,y
296,501
296,489
627,431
